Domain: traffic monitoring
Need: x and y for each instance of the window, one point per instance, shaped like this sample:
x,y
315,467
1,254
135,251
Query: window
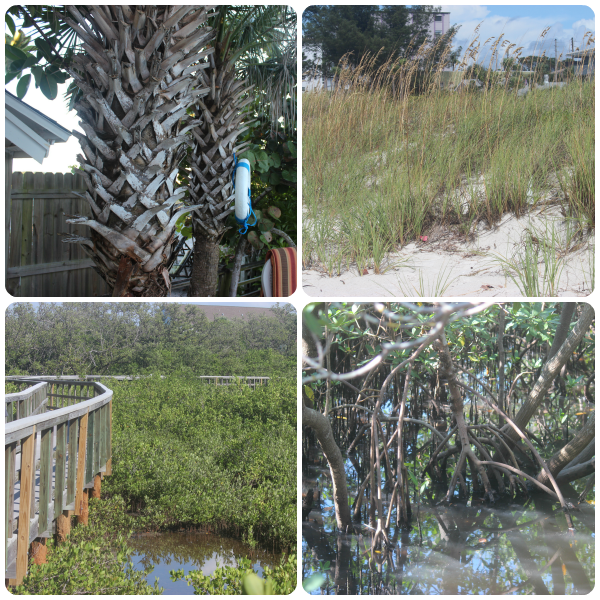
x,y
437,34
438,18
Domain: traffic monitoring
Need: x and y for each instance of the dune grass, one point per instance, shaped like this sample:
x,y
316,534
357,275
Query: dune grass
x,y
382,164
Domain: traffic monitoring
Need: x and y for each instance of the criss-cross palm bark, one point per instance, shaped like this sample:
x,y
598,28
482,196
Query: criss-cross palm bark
x,y
251,33
138,75
211,162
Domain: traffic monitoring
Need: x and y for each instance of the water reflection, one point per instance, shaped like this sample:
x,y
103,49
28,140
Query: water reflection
x,y
467,548
191,551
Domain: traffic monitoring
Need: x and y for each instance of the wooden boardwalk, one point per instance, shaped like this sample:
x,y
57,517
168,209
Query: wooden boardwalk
x,y
98,404
95,415
11,545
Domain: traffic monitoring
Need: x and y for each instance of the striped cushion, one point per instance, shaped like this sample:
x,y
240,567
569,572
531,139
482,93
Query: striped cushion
x,y
284,276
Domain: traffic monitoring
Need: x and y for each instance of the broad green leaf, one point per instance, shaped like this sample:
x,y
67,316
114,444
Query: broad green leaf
x,y
266,237
265,225
292,149
37,72
16,66
314,582
10,23
289,175
23,85
274,212
48,86
29,62
44,47
9,77
14,53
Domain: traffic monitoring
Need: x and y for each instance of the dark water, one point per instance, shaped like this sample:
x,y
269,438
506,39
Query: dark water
x,y
192,551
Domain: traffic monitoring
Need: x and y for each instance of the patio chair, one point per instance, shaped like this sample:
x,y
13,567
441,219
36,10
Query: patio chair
x,y
279,276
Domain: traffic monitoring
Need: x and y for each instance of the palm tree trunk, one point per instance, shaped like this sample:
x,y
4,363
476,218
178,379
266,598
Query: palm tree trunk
x,y
205,268
137,78
212,159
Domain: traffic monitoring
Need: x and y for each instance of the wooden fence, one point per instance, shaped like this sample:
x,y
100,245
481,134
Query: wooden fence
x,y
57,440
250,381
40,264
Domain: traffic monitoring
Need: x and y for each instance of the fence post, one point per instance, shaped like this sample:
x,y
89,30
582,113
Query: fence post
x,y
109,440
27,467
79,493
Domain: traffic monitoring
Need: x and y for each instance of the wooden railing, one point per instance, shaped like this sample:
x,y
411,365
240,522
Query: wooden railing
x,y
251,381
57,444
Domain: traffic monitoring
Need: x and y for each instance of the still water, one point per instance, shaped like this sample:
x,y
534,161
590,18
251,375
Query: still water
x,y
191,551
521,547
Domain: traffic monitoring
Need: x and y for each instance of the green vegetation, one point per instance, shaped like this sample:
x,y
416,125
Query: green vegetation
x,y
187,454
96,558
377,152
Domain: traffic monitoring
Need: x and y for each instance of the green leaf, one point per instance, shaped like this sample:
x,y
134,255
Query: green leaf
x,y
37,72
314,582
9,77
44,47
16,66
265,225
274,212
276,160
48,86
23,85
289,175
14,53
274,178
266,237
413,477
292,149
10,23
29,62
254,240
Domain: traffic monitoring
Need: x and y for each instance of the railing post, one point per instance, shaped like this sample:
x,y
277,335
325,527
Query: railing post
x,y
27,467
87,447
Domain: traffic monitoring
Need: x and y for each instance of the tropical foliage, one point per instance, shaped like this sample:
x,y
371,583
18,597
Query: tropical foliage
x,y
165,84
185,454
271,149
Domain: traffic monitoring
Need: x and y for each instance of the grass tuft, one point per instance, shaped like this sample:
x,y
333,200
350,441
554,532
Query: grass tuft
x,y
393,151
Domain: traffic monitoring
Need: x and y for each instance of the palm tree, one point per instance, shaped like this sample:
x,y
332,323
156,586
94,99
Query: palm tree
x,y
137,71
133,102
254,54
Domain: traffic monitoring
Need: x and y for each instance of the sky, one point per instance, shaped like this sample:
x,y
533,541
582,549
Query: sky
x,y
62,155
522,25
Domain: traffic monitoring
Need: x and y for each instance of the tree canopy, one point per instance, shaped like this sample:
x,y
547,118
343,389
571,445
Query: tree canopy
x,y
391,30
107,338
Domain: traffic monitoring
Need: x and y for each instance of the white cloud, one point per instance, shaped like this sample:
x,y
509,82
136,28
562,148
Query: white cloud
x,y
458,12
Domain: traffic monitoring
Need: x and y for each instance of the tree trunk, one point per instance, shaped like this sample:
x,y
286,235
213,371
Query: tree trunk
x,y
205,268
136,86
549,373
240,249
322,427
320,424
571,451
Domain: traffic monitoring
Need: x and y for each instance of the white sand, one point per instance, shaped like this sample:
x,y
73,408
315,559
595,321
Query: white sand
x,y
467,266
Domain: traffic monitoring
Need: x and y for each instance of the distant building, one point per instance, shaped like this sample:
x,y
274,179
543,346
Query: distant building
x,y
313,79
584,61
